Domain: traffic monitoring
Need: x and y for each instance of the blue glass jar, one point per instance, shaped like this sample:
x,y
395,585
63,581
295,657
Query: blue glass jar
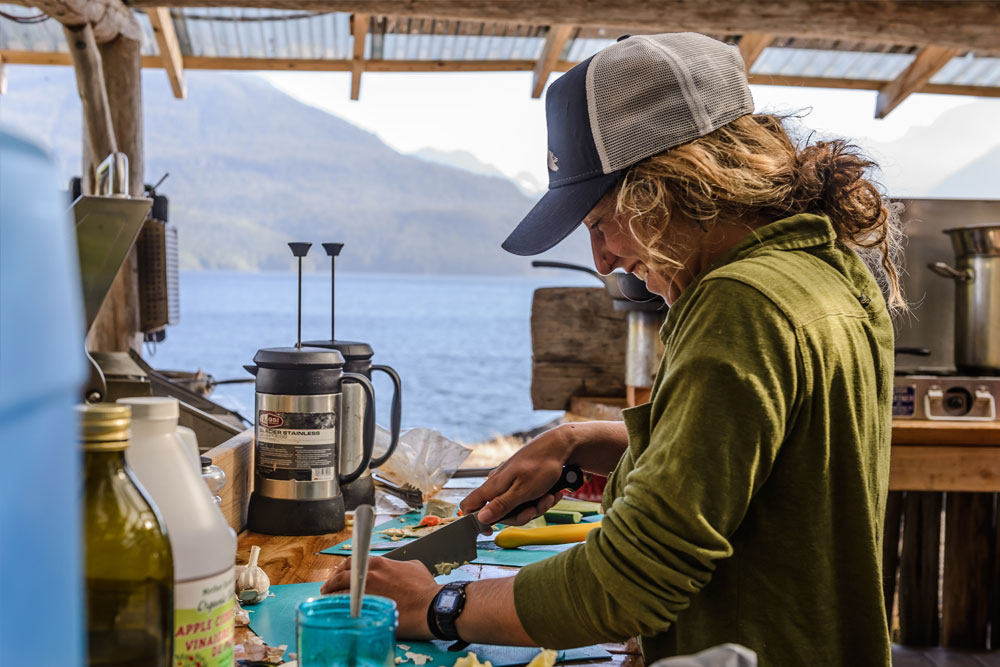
x,y
327,636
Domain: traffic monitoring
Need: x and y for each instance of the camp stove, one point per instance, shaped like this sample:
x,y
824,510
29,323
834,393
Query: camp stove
x,y
943,396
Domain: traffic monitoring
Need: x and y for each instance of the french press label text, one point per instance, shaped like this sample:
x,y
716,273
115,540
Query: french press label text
x,y
299,446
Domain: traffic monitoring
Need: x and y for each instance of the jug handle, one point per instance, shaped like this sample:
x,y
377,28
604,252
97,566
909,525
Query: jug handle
x,y
397,416
369,439
945,271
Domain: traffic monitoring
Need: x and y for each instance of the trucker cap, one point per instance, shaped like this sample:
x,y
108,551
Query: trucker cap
x,y
638,97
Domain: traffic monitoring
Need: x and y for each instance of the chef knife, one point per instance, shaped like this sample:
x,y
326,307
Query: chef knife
x,y
456,542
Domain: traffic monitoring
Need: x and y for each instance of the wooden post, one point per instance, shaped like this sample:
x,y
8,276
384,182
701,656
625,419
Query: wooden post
x,y
890,551
919,568
359,29
117,324
752,44
555,41
968,558
170,48
995,590
93,94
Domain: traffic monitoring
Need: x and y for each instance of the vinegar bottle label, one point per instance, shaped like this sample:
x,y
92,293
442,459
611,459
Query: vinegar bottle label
x,y
203,621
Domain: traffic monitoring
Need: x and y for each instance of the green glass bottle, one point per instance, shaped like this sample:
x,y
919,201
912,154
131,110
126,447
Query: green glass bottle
x,y
127,560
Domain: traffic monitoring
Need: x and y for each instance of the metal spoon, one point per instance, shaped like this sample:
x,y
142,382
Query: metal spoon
x,y
364,521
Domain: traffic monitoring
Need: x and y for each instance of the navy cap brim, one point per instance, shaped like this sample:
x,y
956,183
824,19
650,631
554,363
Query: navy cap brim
x,y
557,214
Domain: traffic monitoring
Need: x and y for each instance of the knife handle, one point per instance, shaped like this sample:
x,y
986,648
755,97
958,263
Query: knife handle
x,y
571,478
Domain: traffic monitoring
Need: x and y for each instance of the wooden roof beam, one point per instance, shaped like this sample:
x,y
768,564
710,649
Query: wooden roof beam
x,y
17,57
359,29
170,48
924,66
109,18
970,24
752,44
555,41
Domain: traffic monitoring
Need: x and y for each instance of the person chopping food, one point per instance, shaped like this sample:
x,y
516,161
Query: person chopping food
x,y
745,501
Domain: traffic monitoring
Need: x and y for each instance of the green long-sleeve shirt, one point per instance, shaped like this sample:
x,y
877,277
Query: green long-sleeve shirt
x,y
748,507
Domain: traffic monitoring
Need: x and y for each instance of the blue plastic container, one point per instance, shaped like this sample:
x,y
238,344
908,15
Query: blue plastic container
x,y
42,370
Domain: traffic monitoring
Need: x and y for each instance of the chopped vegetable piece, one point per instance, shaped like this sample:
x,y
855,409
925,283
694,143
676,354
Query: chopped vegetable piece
x,y
430,520
547,658
584,507
418,658
471,660
446,568
559,516
440,508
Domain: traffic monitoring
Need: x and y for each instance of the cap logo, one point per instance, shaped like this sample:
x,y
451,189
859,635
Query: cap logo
x,y
553,162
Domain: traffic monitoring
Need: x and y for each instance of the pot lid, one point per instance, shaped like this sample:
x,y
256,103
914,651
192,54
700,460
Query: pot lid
x,y
982,239
297,357
351,349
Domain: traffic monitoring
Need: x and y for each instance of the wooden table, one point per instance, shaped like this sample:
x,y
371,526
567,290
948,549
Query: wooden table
x,y
295,560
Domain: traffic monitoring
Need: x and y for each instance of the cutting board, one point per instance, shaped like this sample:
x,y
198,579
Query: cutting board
x,y
489,553
274,620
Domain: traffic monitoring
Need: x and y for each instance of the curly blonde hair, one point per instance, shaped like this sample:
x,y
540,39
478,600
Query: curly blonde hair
x,y
750,171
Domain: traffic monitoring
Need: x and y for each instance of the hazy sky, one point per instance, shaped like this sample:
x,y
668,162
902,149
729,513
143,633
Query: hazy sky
x,y
493,116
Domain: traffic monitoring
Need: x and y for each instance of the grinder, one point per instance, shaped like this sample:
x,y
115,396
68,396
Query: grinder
x,y
298,434
357,407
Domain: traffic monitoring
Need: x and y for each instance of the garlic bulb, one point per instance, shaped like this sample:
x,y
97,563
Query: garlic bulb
x,y
252,583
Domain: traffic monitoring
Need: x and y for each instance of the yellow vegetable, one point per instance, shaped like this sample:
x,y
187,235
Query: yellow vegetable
x,y
511,538
547,658
471,660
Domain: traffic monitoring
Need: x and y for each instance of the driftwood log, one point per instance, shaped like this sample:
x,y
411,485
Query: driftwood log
x,y
108,76
578,346
108,18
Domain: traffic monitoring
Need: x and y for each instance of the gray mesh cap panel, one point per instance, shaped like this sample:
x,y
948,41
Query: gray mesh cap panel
x,y
653,92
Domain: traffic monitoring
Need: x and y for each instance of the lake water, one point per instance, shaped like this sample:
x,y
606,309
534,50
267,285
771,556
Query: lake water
x,y
461,344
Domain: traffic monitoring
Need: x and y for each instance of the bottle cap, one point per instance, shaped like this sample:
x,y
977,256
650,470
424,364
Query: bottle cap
x,y
104,426
146,408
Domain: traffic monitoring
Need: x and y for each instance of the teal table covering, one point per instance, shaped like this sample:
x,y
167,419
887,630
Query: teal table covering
x,y
489,553
274,620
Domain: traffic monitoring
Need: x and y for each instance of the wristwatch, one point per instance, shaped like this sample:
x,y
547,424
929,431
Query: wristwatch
x,y
444,610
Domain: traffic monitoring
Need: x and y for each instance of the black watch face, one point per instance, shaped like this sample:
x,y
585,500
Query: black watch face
x,y
446,602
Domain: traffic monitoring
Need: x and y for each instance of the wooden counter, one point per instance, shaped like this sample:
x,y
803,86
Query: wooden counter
x,y
295,560
926,455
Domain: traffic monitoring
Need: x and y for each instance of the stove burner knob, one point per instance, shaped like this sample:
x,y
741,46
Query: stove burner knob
x,y
957,401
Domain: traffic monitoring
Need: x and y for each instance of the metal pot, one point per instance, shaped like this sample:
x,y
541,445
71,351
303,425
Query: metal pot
x,y
977,296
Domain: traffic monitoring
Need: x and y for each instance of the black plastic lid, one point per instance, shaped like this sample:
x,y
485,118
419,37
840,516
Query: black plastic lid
x,y
297,358
352,350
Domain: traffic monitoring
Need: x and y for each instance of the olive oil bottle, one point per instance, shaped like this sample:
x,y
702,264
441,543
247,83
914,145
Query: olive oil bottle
x,y
127,559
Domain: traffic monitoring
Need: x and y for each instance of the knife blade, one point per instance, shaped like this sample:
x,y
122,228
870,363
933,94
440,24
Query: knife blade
x,y
456,542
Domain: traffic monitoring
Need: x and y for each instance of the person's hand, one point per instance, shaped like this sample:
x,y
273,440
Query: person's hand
x,y
406,582
527,475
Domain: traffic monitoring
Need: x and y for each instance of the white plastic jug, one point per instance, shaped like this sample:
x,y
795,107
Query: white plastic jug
x,y
204,545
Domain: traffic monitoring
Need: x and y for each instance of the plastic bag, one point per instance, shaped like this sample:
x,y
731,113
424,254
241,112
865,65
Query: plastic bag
x,y
424,458
727,655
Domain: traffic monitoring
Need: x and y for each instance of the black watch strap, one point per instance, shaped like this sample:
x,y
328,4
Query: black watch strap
x,y
444,610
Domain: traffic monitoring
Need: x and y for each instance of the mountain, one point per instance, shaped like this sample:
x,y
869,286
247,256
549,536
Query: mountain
x,y
978,177
252,168
524,180
922,162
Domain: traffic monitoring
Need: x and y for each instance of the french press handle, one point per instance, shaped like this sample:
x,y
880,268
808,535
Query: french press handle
x,y
397,410
368,442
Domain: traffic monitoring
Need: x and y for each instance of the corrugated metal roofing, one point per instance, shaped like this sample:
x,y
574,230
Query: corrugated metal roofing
x,y
230,32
